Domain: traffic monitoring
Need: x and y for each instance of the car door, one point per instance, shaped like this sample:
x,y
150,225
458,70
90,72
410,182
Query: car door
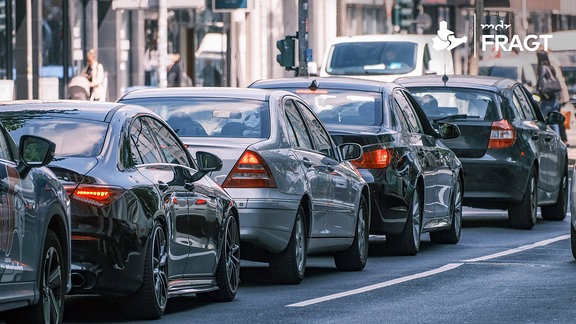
x,y
341,219
426,155
199,222
545,139
316,173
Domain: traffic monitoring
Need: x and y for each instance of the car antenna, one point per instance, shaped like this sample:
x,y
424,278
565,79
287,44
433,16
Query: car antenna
x,y
444,79
314,85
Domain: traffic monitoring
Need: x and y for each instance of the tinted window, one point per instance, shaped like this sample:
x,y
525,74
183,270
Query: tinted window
x,y
5,153
297,125
523,104
319,136
408,112
201,117
142,144
173,151
363,58
60,131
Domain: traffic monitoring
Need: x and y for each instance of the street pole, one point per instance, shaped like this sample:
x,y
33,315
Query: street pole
x,y
162,43
29,76
302,37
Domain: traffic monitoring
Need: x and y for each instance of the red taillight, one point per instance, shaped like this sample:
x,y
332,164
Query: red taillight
x,y
502,135
249,172
377,159
95,195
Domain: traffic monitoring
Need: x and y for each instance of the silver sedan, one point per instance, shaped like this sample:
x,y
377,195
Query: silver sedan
x,y
296,190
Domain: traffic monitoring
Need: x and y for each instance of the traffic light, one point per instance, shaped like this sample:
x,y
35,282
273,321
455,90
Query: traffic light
x,y
286,58
403,14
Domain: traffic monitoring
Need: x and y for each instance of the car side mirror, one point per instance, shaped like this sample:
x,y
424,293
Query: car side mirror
x,y
555,117
207,162
34,152
448,130
350,151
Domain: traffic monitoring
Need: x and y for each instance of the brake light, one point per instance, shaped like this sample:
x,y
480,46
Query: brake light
x,y
502,135
250,171
377,159
95,195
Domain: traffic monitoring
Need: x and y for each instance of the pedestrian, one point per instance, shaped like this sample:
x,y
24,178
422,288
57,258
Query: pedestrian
x,y
151,64
548,86
211,77
94,72
174,72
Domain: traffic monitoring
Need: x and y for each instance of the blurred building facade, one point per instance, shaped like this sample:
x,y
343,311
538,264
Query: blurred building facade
x,y
45,38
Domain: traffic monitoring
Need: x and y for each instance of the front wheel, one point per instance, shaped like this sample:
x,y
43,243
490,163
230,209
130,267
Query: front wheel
x,y
452,234
408,242
151,299
557,211
523,214
354,258
289,266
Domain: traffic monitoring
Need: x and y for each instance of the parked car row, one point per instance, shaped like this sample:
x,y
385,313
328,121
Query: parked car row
x,y
163,193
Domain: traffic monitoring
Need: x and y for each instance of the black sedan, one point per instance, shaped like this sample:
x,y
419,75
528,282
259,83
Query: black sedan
x,y
146,222
512,159
415,181
34,233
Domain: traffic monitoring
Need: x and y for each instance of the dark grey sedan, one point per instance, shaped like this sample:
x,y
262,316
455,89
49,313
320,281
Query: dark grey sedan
x,y
512,159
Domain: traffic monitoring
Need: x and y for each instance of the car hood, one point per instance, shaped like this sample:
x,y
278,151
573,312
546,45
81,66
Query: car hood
x,y
229,150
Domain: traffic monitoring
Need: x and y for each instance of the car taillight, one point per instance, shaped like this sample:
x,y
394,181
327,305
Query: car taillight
x,y
95,195
377,159
502,135
250,171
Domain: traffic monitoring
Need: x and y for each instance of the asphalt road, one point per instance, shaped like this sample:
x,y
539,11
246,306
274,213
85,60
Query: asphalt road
x,y
495,274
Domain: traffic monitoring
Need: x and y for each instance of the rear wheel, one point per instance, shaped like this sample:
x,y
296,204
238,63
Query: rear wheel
x,y
354,258
228,270
289,266
408,242
557,211
452,235
523,215
52,284
151,299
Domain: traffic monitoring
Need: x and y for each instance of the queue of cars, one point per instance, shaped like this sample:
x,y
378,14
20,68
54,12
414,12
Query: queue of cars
x,y
163,192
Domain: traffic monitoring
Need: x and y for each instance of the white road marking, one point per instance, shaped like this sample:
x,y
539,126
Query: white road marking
x,y
428,273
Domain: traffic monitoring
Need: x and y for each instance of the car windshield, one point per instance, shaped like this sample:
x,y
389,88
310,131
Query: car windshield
x,y
61,131
444,102
343,106
206,117
361,58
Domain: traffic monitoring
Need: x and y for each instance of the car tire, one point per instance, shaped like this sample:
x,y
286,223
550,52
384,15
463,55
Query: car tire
x,y
150,301
408,242
289,266
573,240
52,287
557,211
452,235
355,257
228,269
523,215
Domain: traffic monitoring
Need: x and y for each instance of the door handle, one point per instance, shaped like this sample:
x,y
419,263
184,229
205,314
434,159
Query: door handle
x,y
163,186
306,162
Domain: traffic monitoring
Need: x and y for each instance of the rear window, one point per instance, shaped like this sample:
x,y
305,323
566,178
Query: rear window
x,y
445,102
361,58
510,72
343,106
208,117
61,131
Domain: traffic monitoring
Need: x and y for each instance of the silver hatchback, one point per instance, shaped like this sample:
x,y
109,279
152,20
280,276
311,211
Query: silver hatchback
x,y
296,190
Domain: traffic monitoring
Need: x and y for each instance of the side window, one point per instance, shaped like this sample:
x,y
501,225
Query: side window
x,y
170,147
408,112
524,104
298,126
142,145
5,153
320,138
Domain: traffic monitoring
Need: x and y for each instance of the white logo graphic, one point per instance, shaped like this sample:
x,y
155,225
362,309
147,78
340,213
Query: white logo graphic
x,y
445,39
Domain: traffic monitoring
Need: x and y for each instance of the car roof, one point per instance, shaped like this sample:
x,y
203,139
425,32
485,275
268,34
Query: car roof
x,y
343,83
224,92
90,110
463,81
